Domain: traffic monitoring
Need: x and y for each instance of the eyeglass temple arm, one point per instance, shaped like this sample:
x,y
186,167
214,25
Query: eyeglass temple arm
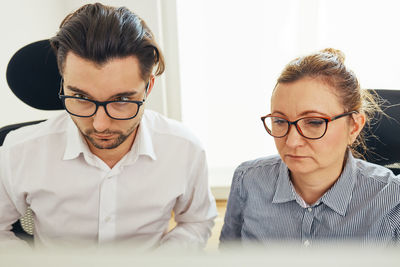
x,y
344,114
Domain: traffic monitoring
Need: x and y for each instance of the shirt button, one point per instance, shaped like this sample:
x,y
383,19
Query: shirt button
x,y
107,219
309,209
306,243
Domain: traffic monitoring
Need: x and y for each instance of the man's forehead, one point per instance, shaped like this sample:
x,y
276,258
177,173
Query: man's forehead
x,y
73,59
125,66
118,76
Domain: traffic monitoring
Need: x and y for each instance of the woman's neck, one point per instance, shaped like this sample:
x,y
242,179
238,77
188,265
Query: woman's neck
x,y
312,186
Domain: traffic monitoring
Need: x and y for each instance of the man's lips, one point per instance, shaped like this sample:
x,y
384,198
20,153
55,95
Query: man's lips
x,y
103,136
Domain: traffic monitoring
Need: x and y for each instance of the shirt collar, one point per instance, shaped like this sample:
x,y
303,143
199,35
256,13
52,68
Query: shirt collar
x,y
76,143
337,197
143,144
283,191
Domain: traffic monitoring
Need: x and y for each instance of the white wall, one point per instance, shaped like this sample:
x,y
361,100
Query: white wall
x,y
24,21
232,52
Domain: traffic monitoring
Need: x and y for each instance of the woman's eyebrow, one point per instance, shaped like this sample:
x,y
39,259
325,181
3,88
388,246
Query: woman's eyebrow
x,y
279,112
307,112
304,113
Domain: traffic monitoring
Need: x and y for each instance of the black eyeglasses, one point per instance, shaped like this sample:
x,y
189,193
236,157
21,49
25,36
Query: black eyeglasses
x,y
308,127
117,110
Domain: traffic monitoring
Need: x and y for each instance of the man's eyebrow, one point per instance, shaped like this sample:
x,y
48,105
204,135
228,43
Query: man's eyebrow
x,y
77,90
124,94
82,92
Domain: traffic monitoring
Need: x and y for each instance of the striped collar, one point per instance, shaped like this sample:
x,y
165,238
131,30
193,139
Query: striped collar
x,y
337,197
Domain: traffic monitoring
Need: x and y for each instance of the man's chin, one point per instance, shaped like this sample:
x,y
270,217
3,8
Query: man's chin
x,y
104,146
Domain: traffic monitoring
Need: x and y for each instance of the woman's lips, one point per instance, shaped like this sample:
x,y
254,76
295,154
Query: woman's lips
x,y
296,156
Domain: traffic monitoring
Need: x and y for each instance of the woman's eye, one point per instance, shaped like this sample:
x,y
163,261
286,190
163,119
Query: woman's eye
x,y
315,122
278,121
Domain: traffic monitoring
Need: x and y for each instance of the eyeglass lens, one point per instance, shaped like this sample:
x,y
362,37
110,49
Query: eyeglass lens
x,y
308,127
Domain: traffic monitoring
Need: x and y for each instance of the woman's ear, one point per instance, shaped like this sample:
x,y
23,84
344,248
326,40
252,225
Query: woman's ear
x,y
356,126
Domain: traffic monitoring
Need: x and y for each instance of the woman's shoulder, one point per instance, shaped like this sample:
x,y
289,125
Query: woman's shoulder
x,y
260,168
260,162
379,188
258,175
377,173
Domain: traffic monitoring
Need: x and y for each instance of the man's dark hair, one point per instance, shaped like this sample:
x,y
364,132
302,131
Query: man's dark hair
x,y
100,33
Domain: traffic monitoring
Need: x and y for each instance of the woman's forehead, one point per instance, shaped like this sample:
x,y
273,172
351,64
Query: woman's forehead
x,y
305,94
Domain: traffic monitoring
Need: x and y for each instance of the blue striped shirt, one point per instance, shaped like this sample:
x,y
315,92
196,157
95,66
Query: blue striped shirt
x,y
363,206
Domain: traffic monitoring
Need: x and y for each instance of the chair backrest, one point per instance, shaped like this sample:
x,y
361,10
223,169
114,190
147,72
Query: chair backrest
x,y
383,137
32,75
6,129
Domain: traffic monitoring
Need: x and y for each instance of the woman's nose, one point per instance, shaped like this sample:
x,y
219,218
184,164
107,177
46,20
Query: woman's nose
x,y
294,138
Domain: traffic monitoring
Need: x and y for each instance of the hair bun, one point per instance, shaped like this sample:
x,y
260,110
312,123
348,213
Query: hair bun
x,y
335,52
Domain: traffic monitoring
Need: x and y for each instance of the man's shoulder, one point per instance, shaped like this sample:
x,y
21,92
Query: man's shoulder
x,y
162,126
35,132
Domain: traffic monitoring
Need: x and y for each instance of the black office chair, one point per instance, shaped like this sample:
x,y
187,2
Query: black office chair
x,y
32,75
383,137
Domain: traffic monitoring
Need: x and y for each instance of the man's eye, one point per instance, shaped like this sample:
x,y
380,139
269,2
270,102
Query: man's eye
x,y
122,98
80,96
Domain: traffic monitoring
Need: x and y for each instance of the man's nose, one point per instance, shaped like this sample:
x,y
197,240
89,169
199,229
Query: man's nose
x,y
101,121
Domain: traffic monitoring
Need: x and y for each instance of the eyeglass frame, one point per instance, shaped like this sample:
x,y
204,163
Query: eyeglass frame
x,y
100,103
326,119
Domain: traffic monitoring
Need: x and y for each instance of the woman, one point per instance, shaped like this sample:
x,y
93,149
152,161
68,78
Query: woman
x,y
315,190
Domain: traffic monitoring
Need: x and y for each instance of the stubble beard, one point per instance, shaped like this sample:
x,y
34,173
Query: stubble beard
x,y
121,137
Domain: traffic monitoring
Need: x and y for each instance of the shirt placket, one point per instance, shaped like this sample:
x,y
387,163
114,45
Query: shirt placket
x,y
107,208
308,219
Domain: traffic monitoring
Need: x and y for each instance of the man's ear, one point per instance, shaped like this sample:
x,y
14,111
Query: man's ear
x,y
151,84
356,126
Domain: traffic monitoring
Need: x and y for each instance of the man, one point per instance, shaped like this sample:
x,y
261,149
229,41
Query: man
x,y
108,171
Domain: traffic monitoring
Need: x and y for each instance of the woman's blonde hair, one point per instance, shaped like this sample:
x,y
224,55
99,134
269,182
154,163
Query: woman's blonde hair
x,y
328,65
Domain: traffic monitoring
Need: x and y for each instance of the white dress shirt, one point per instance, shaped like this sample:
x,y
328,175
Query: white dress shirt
x,y
75,196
